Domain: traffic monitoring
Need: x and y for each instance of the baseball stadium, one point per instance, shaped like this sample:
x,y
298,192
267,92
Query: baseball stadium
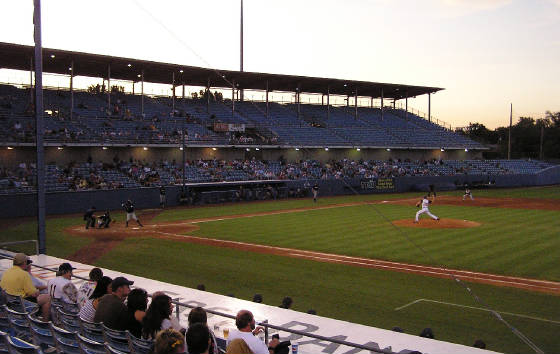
x,y
376,227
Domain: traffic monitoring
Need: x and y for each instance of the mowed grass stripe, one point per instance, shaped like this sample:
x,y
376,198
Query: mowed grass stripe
x,y
354,294
500,245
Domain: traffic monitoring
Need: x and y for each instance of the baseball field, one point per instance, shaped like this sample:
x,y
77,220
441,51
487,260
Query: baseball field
x,y
356,258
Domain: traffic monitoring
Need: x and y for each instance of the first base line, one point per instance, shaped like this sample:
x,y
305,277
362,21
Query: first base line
x,y
475,308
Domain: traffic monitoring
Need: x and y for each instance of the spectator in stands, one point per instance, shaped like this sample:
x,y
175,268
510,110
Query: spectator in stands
x,y
136,304
169,341
427,333
238,346
61,288
247,331
111,309
198,315
479,343
198,339
103,287
286,303
87,288
17,281
158,316
201,287
258,298
38,283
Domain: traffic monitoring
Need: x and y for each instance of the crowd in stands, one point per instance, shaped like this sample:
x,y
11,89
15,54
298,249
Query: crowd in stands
x,y
112,305
135,173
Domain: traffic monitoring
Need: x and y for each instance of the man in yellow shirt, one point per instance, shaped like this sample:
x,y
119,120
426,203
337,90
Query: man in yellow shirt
x,y
17,281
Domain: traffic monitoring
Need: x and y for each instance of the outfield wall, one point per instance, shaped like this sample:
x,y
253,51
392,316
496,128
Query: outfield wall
x,y
21,205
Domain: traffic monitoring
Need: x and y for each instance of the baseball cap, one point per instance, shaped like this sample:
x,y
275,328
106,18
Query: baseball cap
x,y
65,268
20,258
120,281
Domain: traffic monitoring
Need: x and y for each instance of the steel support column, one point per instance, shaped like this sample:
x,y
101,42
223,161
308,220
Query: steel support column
x,y
31,103
72,90
142,92
109,87
208,96
39,130
382,103
266,99
232,98
173,93
356,104
328,104
429,107
406,105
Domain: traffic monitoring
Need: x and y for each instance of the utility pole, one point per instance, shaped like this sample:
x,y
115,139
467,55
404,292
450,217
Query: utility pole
x,y
509,132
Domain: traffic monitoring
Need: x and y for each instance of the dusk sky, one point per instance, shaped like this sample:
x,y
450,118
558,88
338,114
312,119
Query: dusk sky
x,y
485,53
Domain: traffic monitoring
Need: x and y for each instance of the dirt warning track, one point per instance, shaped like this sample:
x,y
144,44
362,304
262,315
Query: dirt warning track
x,y
106,239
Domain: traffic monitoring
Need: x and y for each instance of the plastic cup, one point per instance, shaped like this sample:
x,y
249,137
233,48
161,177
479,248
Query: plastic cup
x,y
226,333
295,348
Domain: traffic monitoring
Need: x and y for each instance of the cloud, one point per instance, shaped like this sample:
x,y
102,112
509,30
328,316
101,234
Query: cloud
x,y
466,7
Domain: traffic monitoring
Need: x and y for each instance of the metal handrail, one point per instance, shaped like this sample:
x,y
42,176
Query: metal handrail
x,y
264,323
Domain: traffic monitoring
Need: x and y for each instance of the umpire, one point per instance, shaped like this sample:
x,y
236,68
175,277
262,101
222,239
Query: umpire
x,y
89,218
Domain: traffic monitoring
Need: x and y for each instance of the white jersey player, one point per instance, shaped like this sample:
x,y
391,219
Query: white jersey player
x,y
467,194
424,203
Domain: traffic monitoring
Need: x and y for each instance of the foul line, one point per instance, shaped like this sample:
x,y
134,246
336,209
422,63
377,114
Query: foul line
x,y
476,308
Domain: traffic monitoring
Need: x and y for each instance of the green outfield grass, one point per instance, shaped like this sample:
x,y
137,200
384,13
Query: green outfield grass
x,y
509,241
354,294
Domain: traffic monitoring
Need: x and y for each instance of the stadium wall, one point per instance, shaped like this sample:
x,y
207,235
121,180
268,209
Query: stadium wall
x,y
22,205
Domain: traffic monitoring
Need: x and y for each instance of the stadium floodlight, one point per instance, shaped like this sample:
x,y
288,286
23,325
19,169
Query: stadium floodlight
x,y
388,149
181,148
52,56
466,150
214,149
139,75
181,71
327,149
145,148
297,149
60,148
247,149
104,148
257,149
70,69
357,149
10,148
345,85
129,65
442,149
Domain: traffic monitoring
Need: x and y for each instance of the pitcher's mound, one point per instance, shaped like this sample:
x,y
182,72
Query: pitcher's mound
x,y
437,224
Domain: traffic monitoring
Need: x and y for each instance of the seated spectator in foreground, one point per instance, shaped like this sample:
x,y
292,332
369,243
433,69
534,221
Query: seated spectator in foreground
x,y
17,281
198,315
61,288
479,343
136,304
427,333
238,346
286,303
103,287
198,339
38,283
158,316
169,341
111,309
247,330
86,289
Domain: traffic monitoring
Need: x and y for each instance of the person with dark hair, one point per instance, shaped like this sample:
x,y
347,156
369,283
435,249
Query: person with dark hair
x,y
198,339
86,289
128,206
427,333
136,304
111,309
89,218
162,198
169,341
201,287
479,343
198,315
87,312
258,298
247,331
286,303
61,287
158,316
311,312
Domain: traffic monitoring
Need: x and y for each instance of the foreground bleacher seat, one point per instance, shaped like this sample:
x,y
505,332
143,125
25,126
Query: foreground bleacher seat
x,y
88,346
19,325
17,303
116,339
110,350
92,331
18,346
68,321
41,332
65,342
138,345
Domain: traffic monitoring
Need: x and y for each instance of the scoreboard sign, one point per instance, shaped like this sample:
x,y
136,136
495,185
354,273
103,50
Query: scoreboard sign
x,y
378,184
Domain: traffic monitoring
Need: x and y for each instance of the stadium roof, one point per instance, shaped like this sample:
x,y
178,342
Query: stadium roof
x,y
18,57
